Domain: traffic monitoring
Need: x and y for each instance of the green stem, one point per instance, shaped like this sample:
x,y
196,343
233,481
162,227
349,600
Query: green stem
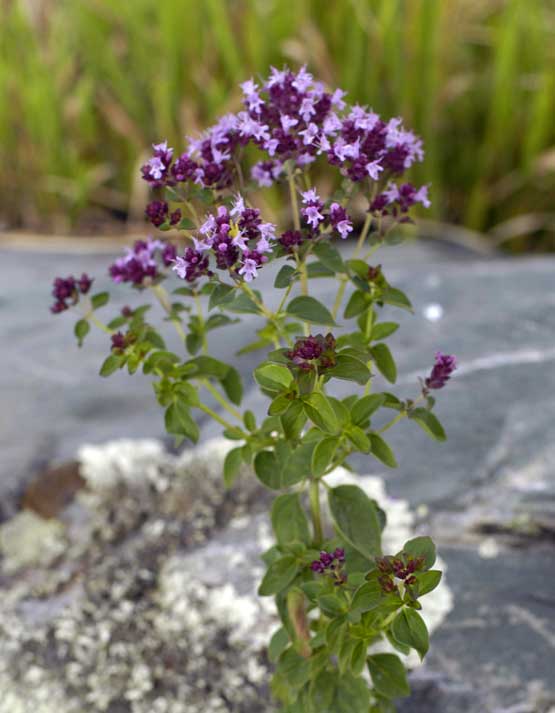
x,y
393,421
163,297
400,415
220,399
216,416
193,210
201,323
91,317
314,498
294,200
344,278
270,316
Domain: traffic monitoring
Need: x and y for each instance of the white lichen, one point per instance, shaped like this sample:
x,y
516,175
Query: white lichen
x,y
151,606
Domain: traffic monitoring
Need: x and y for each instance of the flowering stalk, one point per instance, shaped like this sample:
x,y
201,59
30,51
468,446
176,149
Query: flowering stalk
x,y
337,594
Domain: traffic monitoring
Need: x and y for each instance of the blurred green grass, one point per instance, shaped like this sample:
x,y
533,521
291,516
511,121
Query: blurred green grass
x,y
85,87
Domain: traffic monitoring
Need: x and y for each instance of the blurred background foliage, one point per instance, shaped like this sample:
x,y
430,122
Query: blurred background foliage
x,y
87,85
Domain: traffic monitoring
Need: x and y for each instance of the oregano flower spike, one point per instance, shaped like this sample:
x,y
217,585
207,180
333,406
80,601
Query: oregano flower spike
x,y
339,597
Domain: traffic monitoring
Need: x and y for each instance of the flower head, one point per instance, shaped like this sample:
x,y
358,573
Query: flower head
x,y
141,262
444,366
66,291
330,563
311,353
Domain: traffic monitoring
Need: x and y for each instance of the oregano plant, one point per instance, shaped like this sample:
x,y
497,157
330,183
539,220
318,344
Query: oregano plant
x,y
337,593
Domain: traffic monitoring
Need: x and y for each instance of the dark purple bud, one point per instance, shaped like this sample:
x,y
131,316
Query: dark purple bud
x,y
317,566
339,554
444,366
84,283
290,239
326,558
175,217
119,342
157,212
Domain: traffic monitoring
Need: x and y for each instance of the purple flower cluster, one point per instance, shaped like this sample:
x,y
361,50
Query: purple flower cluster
x,y
158,213
331,563
290,116
402,567
142,261
445,365
397,200
316,218
237,239
312,353
66,291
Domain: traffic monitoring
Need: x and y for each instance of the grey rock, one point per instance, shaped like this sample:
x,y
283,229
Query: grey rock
x,y
487,495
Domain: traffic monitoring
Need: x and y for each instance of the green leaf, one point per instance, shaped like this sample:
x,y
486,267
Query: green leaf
x,y
289,520
249,420
161,360
232,465
409,628
428,422
273,376
352,696
382,451
81,329
384,361
187,392
365,407
186,291
310,310
422,547
389,675
360,440
278,643
317,269
367,597
351,369
397,298
322,692
294,668
193,341
428,581
382,330
111,364
356,305
359,267
358,658
391,401
100,299
243,304
332,605
329,256
179,421
186,224
293,420
335,633
282,467
279,405
356,519
152,336
221,294
284,277
219,320
279,575
323,454
233,386
320,411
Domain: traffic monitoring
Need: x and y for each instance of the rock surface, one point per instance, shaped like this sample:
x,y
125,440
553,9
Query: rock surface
x,y
487,495
152,604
